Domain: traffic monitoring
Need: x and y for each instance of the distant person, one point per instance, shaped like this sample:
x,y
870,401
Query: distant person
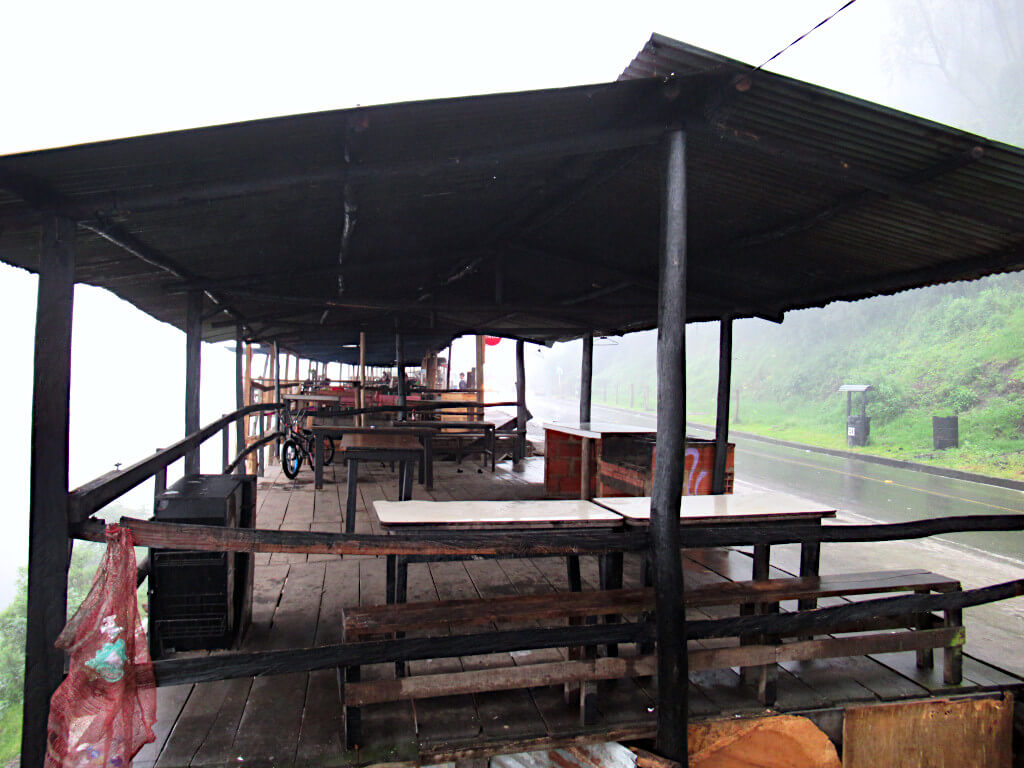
x,y
462,381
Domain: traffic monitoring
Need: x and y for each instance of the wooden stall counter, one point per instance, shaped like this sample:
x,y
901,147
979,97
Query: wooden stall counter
x,y
620,461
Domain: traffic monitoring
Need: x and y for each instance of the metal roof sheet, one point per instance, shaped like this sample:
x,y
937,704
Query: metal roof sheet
x,y
533,215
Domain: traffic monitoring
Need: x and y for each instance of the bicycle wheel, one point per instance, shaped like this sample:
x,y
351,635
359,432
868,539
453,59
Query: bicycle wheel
x,y
291,458
328,450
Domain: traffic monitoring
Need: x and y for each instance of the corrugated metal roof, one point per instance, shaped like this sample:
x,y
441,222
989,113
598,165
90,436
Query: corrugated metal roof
x,y
534,215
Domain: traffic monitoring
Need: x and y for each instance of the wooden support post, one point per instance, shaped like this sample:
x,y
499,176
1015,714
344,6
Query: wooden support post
x,y
722,420
668,470
520,451
277,399
239,393
448,370
586,377
362,377
48,547
479,378
250,460
193,350
400,362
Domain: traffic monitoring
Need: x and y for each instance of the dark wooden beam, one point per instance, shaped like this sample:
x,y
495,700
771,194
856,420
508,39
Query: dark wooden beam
x,y
400,364
520,397
48,549
832,167
240,388
193,367
586,376
722,417
668,470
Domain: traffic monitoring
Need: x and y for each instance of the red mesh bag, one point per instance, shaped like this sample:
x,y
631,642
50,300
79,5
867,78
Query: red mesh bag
x,y
103,712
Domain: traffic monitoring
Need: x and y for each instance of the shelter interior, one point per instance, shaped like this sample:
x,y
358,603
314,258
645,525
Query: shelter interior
x,y
693,188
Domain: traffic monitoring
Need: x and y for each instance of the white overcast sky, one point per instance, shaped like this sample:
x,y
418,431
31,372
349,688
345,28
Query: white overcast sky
x,y
83,71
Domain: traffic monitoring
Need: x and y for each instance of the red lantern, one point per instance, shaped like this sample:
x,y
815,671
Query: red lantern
x,y
492,341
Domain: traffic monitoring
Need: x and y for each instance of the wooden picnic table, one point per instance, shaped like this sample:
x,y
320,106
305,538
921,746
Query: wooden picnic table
x,y
427,517
762,507
765,507
469,427
424,434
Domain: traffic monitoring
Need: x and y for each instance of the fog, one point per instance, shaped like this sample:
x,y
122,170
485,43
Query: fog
x,y
83,72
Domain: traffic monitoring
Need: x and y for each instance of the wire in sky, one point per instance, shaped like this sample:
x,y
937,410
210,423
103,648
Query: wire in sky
x,y
805,34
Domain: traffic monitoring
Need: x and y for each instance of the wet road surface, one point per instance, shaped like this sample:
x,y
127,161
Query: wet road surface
x,y
859,488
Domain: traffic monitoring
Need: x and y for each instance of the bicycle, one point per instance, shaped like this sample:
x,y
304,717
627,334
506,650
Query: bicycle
x,y
298,445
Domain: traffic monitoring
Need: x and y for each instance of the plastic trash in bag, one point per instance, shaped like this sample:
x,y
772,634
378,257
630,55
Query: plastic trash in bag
x,y
103,712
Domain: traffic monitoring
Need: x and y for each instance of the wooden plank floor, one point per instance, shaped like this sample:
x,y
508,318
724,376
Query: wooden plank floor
x,y
293,720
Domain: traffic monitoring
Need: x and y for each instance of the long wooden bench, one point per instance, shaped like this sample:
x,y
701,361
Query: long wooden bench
x,y
919,634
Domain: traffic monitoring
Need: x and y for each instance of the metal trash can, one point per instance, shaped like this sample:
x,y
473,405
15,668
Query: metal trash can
x,y
858,429
945,432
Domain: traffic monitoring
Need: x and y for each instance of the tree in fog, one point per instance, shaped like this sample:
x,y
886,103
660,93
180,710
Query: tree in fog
x,y
965,58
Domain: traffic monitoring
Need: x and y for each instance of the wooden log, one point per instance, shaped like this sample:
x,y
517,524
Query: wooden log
x,y
48,500
754,534
586,377
277,399
210,538
239,391
478,383
386,619
722,415
400,364
251,664
668,471
498,679
225,666
250,461
193,357
362,377
520,451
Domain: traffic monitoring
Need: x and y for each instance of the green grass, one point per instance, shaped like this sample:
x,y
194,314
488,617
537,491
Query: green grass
x,y
10,735
950,349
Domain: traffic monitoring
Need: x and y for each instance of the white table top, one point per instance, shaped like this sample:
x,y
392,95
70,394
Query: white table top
x,y
595,429
756,506
543,513
319,398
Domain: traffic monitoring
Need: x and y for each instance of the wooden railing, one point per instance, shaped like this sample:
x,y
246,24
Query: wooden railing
x,y
87,499
538,544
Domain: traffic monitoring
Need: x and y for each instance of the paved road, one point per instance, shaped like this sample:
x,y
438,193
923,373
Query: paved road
x,y
859,488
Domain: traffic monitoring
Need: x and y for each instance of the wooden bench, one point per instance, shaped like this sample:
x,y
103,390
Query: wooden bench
x,y
374,622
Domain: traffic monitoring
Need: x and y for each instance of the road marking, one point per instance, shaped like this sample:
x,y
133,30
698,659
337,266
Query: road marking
x,y
884,482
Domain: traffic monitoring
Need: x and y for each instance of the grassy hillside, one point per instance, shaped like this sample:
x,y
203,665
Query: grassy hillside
x,y
953,349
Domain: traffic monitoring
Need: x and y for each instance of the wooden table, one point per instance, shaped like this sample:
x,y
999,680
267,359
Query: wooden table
x,y
424,434
430,517
487,427
374,446
562,475
761,507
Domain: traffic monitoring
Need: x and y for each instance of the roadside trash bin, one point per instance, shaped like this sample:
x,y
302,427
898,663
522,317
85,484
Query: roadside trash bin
x,y
945,432
858,425
858,429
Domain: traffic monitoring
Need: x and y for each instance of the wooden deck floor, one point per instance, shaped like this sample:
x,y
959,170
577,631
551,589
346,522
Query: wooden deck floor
x,y
294,719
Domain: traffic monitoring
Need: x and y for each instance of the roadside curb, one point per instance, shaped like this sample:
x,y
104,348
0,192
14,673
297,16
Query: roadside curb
x,y
955,474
